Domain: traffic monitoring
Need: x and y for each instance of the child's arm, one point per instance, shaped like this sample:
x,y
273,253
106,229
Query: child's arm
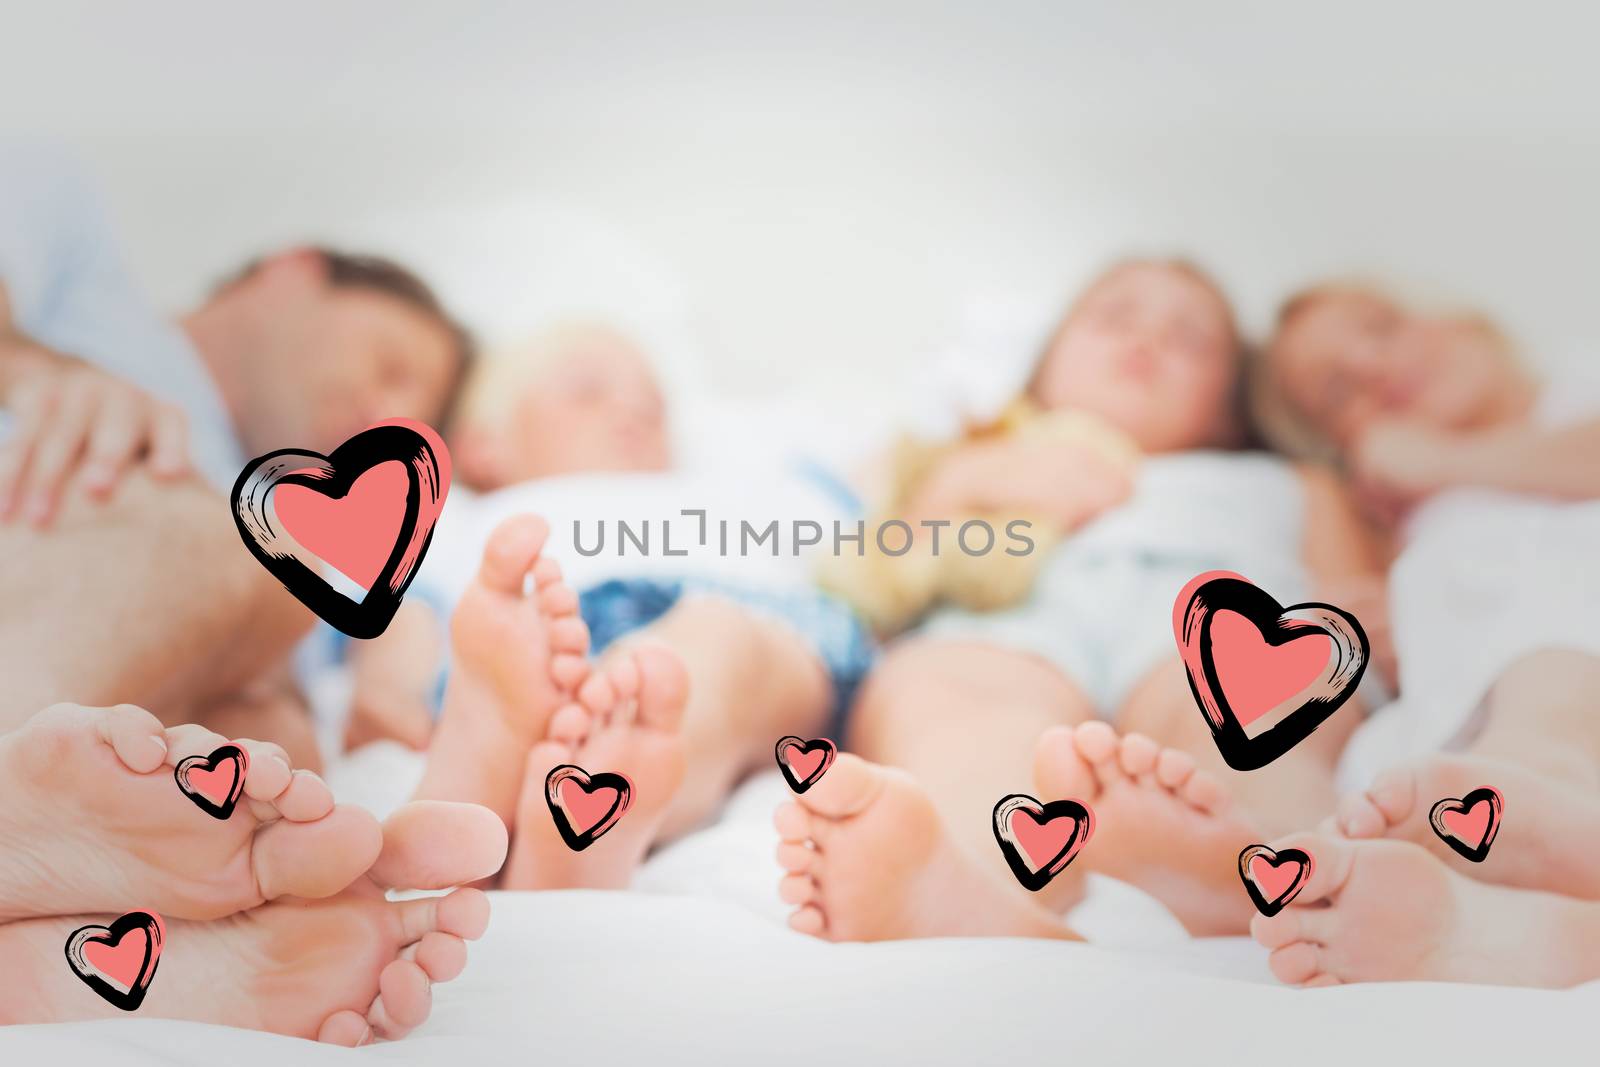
x,y
1065,482
1347,562
1411,463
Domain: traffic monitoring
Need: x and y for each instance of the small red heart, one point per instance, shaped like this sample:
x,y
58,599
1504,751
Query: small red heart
x,y
118,961
214,782
802,762
585,807
1273,879
1469,825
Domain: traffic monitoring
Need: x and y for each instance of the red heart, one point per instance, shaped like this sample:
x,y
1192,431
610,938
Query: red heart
x,y
802,762
1259,677
214,782
354,533
585,807
1469,825
1273,879
1040,840
118,961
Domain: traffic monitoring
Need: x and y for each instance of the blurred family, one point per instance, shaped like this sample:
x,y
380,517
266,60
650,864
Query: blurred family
x,y
1398,461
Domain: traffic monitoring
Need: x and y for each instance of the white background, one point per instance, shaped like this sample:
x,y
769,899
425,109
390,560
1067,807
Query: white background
x,y
825,188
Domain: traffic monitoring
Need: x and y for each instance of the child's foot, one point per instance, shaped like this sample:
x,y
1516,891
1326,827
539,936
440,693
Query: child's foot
x,y
1160,823
1543,847
517,656
626,721
342,970
868,860
92,820
1379,911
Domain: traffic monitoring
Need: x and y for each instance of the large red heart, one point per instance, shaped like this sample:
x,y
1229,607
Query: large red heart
x,y
803,763
118,961
367,510
1273,879
585,806
1040,840
1469,825
1264,676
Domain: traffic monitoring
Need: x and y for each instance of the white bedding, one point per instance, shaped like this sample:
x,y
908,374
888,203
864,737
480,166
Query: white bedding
x,y
694,966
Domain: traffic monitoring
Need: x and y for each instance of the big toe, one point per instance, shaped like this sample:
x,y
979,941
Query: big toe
x,y
315,859
434,844
663,686
849,788
513,548
1059,769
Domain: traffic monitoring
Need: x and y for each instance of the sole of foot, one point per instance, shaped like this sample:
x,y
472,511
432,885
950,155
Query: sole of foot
x,y
1544,847
866,858
344,970
518,653
626,720
1160,824
98,824
1384,911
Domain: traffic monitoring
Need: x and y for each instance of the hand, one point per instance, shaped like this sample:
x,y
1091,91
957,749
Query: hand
x,y
70,418
1396,465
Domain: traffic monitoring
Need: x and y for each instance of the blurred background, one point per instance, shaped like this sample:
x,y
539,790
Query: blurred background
x,y
822,195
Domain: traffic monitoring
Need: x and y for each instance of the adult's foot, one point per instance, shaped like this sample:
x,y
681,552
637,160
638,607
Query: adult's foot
x,y
1160,824
1381,911
867,859
1543,845
92,820
626,721
518,654
343,970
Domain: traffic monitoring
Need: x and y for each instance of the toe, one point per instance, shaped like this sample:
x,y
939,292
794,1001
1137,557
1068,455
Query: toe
x,y
1138,756
795,858
269,773
441,956
463,913
1295,963
1332,860
435,844
1394,795
559,603
597,695
569,725
347,1028
1205,792
404,999
306,798
793,822
568,670
1059,769
1319,980
191,739
512,549
1276,931
546,572
797,889
1098,744
569,635
1359,817
663,686
135,735
808,920
314,859
847,789
1174,768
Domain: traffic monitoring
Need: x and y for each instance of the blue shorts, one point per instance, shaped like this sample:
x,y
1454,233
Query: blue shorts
x,y
846,650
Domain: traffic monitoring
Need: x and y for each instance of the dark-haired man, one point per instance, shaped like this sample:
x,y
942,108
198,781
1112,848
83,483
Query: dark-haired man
x,y
121,575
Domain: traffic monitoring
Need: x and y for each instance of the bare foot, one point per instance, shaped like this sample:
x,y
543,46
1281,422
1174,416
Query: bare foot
x,y
518,655
626,720
1380,911
342,970
1545,848
1160,824
93,821
868,860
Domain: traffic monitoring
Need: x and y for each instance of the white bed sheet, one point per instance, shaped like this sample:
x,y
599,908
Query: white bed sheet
x,y
695,966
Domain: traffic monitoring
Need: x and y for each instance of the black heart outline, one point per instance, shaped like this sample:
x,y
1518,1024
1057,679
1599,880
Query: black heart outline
x,y
1083,829
1483,794
818,744
231,752
332,476
588,783
1277,626
1267,907
155,938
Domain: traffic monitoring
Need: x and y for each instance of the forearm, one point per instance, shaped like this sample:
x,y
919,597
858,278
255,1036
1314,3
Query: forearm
x,y
1561,463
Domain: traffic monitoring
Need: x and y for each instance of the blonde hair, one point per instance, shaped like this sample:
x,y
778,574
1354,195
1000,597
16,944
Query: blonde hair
x,y
1279,419
504,373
